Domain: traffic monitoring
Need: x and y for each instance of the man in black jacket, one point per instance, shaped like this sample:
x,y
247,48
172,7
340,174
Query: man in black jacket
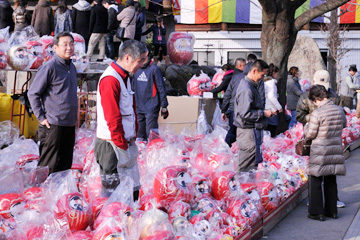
x,y
112,25
98,24
227,107
81,12
6,12
250,117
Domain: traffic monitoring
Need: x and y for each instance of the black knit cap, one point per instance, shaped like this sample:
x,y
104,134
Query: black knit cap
x,y
129,3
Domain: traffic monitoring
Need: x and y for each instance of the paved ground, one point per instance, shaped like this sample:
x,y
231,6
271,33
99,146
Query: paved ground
x,y
296,225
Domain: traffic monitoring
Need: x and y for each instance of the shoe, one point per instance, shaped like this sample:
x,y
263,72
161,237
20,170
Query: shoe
x,y
340,204
334,216
100,60
316,217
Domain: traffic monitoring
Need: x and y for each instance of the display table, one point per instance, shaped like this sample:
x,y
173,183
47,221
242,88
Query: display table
x,y
270,219
20,81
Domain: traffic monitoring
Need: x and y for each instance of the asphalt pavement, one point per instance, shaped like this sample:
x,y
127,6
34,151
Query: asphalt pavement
x,y
296,225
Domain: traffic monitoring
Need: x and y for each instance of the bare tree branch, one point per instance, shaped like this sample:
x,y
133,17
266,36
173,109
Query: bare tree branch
x,y
335,37
314,12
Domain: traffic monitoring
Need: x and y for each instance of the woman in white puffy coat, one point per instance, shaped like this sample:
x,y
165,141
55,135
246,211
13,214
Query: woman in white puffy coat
x,y
271,98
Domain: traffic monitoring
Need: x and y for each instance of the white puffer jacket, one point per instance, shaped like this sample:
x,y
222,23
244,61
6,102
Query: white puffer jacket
x,y
271,95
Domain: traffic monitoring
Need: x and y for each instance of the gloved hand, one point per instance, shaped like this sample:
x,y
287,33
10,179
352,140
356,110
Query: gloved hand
x,y
164,113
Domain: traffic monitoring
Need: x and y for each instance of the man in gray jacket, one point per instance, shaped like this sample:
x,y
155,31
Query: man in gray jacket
x,y
348,88
250,117
53,98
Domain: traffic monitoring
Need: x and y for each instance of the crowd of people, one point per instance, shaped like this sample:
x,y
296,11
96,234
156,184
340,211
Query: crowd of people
x,y
251,105
127,110
96,22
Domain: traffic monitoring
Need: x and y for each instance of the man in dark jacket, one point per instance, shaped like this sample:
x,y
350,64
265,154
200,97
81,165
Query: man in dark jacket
x,y
250,59
227,107
140,21
53,98
81,20
305,107
150,95
250,117
112,25
43,18
6,12
98,29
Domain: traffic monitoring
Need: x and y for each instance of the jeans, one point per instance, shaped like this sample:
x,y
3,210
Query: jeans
x,y
231,134
293,119
110,51
258,145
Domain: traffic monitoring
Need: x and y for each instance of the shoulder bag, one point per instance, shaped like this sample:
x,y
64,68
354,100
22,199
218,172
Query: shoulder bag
x,y
120,32
302,147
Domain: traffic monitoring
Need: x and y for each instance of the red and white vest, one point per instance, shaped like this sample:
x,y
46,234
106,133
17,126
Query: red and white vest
x,y
126,108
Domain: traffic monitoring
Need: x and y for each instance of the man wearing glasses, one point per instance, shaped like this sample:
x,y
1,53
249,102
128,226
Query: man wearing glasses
x,y
53,98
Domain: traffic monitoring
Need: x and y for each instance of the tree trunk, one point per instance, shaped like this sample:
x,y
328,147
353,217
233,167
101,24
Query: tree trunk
x,y
278,37
333,38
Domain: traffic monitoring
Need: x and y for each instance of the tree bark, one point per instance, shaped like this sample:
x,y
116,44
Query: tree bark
x,y
333,36
279,32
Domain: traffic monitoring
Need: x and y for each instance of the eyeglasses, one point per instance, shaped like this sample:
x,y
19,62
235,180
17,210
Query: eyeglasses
x,y
66,45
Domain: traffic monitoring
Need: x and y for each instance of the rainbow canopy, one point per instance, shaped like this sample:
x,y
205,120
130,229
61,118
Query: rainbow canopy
x,y
250,12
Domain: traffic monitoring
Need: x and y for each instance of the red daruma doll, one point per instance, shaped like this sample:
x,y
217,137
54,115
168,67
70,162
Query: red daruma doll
x,y
35,51
180,47
3,61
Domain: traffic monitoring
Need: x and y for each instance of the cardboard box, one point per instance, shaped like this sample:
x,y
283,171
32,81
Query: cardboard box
x,y
184,112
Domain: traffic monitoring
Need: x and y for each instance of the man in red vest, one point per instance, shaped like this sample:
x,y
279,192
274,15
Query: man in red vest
x,y
115,148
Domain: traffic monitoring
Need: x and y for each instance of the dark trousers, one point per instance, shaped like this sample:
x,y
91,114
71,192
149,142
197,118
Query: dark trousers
x,y
110,50
272,130
147,121
259,134
86,44
106,158
163,50
346,102
230,137
316,195
56,147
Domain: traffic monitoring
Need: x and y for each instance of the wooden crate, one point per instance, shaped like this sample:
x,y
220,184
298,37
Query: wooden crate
x,y
272,218
354,145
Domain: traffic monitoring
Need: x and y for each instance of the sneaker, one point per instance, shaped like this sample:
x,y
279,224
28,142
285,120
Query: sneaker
x,y
340,204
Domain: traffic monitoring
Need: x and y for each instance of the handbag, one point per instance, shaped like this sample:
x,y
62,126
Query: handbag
x,y
302,147
120,32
